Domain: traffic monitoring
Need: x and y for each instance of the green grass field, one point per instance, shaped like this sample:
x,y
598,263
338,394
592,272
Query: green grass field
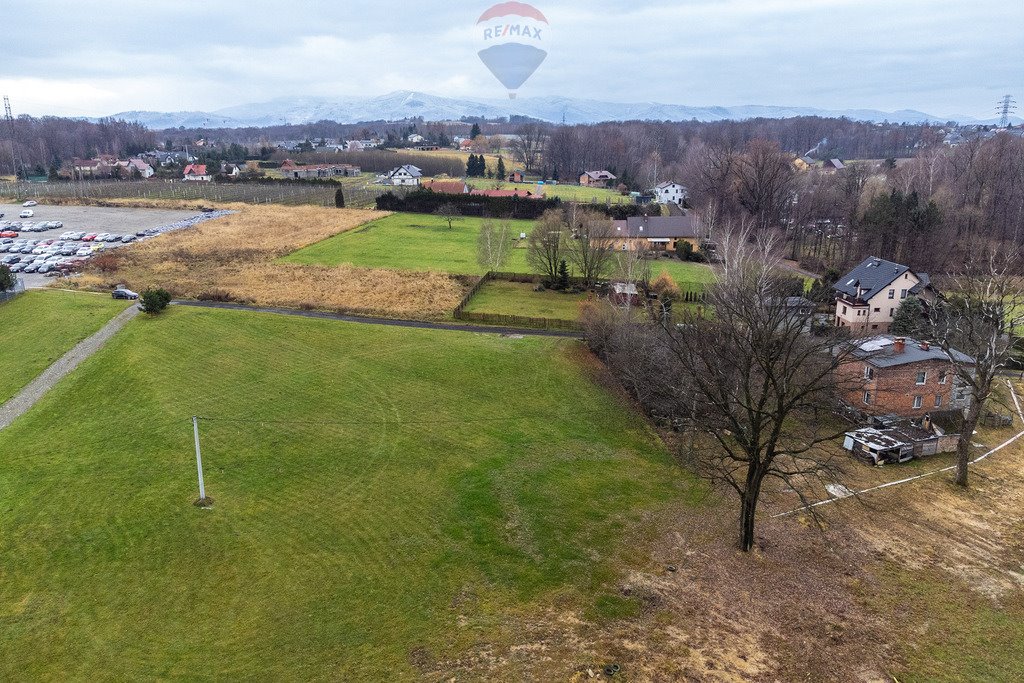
x,y
384,497
575,193
419,242
519,298
40,326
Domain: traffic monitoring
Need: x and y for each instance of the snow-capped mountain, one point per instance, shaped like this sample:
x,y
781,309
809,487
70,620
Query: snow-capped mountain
x,y
406,104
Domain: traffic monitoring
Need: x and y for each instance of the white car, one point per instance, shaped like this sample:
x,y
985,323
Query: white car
x,y
83,251
30,203
27,213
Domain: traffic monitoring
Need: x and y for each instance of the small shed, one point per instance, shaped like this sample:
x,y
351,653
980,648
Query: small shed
x,y
894,442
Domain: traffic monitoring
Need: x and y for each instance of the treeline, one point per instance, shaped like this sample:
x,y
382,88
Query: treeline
x,y
379,161
40,144
926,212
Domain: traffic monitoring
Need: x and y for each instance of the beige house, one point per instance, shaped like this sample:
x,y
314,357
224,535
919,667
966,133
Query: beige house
x,y
867,297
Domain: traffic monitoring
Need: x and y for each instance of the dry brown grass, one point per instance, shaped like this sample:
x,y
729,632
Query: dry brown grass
x,y
234,258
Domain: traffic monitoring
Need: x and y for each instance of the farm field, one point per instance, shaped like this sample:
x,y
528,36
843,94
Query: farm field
x,y
386,501
236,258
40,326
424,243
519,298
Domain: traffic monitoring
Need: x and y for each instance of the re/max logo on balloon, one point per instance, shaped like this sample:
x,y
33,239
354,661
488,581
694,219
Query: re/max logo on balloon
x,y
512,30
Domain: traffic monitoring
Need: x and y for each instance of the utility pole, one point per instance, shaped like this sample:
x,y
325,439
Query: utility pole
x,y
203,500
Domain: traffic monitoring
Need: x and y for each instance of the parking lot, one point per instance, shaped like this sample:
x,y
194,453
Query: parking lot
x,y
83,219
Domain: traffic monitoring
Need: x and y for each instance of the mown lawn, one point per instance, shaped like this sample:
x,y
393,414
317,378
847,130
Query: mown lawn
x,y
575,193
40,326
519,298
385,498
424,243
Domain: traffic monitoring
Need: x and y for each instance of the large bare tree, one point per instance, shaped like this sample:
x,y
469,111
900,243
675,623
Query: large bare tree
x,y
977,322
545,247
493,244
759,391
590,247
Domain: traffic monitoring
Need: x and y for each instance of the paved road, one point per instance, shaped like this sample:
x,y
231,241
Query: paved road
x,y
419,324
37,388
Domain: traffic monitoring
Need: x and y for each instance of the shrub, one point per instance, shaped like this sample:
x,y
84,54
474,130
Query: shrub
x,y
7,279
155,300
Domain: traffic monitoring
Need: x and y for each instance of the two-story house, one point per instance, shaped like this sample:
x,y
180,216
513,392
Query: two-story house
x,y
867,297
669,193
404,175
597,179
901,376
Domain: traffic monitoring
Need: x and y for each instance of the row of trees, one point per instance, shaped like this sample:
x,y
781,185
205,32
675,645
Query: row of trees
x,y
30,143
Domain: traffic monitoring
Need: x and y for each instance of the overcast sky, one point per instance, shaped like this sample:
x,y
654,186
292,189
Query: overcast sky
x,y
86,58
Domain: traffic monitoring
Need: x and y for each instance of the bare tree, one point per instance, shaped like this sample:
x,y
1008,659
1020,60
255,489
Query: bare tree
x,y
545,247
528,145
590,248
449,213
976,322
760,393
494,244
764,178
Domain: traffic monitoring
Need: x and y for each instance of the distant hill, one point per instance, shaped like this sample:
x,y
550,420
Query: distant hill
x,y
405,104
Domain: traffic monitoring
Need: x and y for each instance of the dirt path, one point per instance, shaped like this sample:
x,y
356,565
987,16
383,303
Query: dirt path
x,y
37,388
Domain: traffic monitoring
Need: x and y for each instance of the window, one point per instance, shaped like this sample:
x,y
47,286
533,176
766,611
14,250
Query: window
x,y
867,398
938,400
922,377
942,377
874,327
892,293
903,294
892,312
878,310
918,400
869,372
844,310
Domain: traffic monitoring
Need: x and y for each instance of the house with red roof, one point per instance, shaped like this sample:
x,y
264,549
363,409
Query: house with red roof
x,y
197,172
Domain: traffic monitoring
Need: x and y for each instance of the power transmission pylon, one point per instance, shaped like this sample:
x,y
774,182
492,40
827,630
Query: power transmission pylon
x,y
9,119
1006,105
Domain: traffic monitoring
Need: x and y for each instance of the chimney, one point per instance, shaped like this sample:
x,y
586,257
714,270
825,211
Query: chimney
x,y
924,346
899,344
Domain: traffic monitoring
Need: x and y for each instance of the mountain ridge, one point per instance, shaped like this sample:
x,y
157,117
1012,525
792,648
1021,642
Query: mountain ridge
x,y
405,104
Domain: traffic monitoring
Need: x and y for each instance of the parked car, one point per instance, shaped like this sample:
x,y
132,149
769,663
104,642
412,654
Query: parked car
x,y
9,259
83,251
128,238
31,268
68,250
30,203
124,293
16,267
27,213
89,237
8,233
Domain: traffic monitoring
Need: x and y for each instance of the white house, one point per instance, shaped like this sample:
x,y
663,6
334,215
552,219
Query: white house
x,y
404,175
415,138
197,172
867,297
669,193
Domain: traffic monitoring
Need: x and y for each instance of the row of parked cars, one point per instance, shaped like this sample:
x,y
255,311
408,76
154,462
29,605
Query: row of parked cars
x,y
18,226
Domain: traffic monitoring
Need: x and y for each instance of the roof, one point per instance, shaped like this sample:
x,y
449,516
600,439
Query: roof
x,y
447,186
668,183
195,169
880,351
599,175
659,226
507,193
836,163
413,171
870,277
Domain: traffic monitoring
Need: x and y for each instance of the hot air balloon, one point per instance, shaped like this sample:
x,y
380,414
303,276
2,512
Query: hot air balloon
x,y
513,36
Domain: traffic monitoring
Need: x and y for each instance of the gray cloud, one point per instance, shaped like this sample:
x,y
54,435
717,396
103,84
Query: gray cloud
x,y
941,56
